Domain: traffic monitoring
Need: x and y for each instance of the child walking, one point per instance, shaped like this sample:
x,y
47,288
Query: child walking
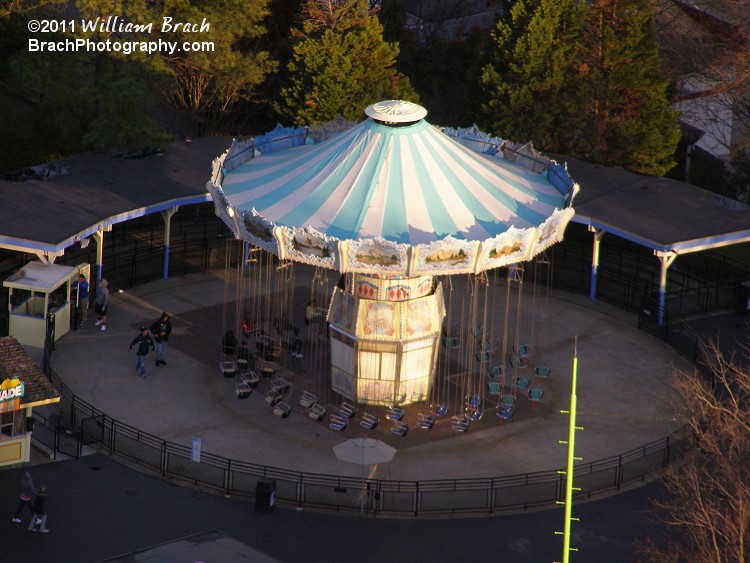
x,y
39,514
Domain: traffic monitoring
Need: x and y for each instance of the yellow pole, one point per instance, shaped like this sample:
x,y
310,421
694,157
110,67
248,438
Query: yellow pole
x,y
571,458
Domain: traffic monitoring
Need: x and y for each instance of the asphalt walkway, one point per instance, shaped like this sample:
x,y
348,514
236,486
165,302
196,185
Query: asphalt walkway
x,y
99,510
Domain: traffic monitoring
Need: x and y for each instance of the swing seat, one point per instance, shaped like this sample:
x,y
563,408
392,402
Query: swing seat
x,y
242,390
273,398
496,370
522,382
400,428
268,368
478,331
483,356
536,393
394,413
250,378
338,423
507,407
282,410
518,361
451,342
460,423
307,399
369,421
494,387
474,400
279,385
476,414
243,366
440,409
425,421
228,369
317,412
489,345
346,410
542,371
523,350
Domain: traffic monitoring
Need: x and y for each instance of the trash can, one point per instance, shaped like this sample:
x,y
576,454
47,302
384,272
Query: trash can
x,y
265,495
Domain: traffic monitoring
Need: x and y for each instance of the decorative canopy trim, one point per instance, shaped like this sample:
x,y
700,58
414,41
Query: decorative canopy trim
x,y
394,195
396,111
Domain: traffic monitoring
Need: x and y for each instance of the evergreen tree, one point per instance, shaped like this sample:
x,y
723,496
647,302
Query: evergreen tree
x,y
628,121
208,82
582,78
340,64
528,85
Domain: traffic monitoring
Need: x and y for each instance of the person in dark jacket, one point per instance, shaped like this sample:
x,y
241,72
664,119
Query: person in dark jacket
x,y
39,514
161,329
83,297
27,493
142,344
101,304
229,343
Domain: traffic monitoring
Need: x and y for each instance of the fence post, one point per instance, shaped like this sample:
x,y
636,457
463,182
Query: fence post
x,y
228,479
163,460
560,486
79,441
56,441
112,434
300,491
73,411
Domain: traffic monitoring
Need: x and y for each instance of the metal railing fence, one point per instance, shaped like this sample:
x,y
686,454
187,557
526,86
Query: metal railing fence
x,y
80,424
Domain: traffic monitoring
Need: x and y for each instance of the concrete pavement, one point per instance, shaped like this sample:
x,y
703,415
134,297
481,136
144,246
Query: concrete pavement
x,y
624,393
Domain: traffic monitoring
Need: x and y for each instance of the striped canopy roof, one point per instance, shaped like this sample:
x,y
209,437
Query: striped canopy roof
x,y
403,186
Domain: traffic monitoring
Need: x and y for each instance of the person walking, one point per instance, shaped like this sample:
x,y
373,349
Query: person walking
x,y
83,297
161,329
315,317
101,303
142,344
38,512
27,492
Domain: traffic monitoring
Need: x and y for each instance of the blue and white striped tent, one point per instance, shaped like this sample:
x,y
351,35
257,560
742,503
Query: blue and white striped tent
x,y
405,190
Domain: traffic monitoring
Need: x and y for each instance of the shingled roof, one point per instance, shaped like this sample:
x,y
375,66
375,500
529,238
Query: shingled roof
x,y
15,361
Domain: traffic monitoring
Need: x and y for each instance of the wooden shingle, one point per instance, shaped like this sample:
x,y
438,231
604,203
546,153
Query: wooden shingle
x,y
15,361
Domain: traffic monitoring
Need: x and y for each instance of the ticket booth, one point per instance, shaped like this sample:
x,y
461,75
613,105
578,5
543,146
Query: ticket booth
x,y
23,386
39,293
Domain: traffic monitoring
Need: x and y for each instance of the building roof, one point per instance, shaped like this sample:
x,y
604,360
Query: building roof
x,y
84,193
15,361
658,213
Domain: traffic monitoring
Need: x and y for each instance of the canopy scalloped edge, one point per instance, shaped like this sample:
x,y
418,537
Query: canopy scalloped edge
x,y
376,255
382,257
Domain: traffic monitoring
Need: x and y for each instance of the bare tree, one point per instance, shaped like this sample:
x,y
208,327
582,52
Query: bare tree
x,y
705,47
17,7
708,509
